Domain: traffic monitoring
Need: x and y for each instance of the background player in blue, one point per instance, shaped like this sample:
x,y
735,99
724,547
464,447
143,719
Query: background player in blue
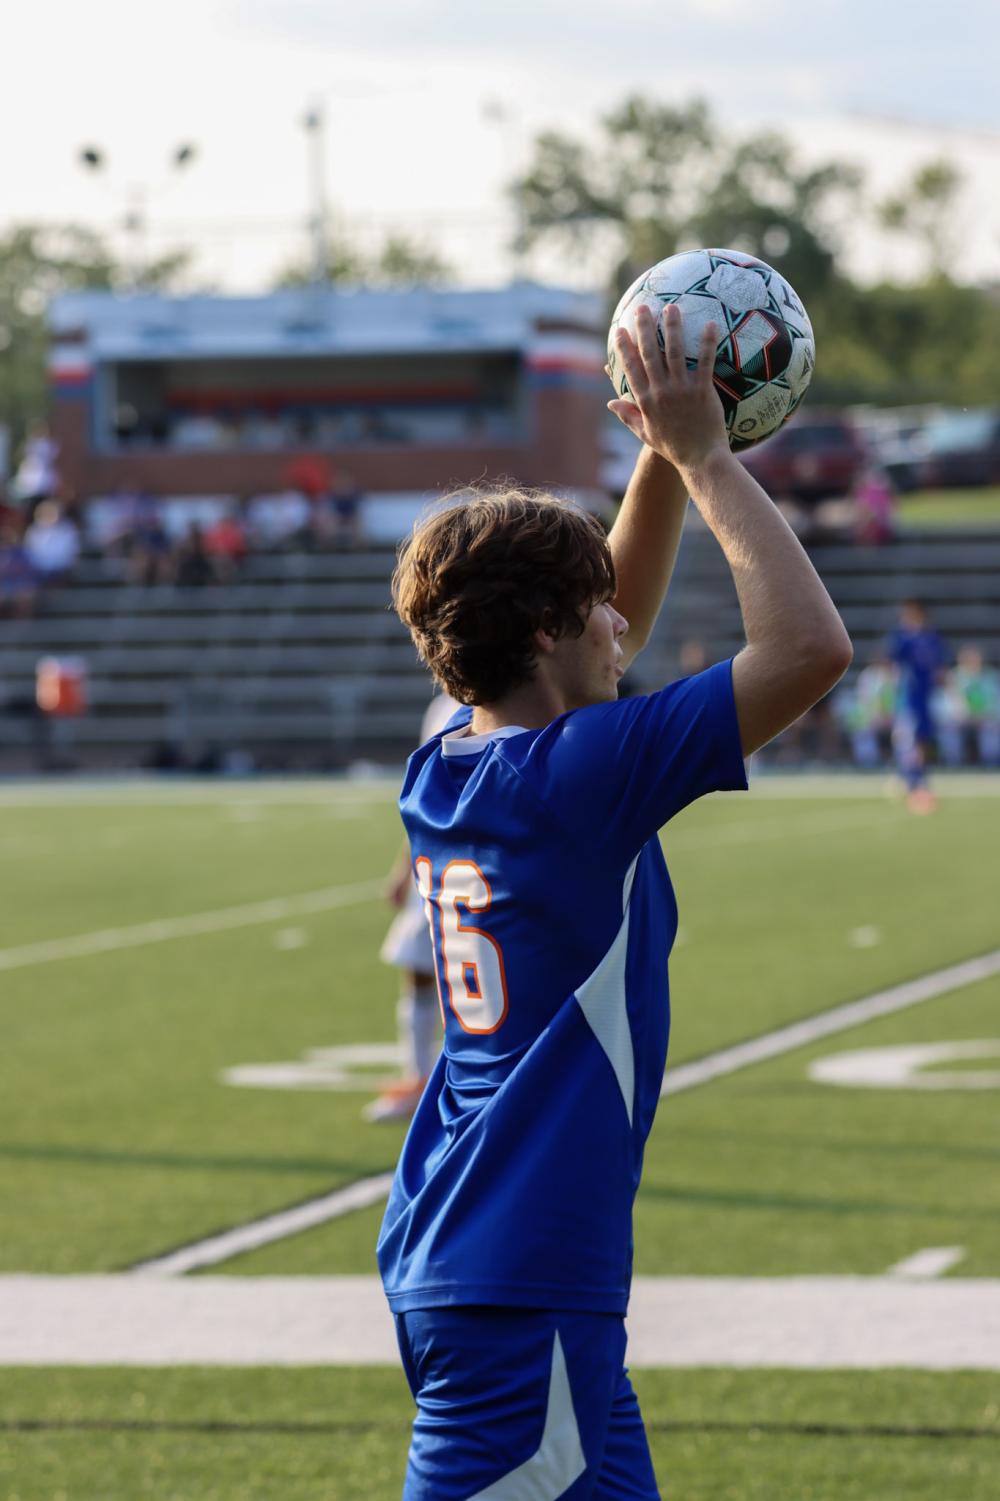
x,y
920,656
506,1248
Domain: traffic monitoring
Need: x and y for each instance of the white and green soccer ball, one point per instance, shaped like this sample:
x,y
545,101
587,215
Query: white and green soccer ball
x,y
766,351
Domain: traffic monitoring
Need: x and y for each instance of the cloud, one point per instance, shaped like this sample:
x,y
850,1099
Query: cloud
x,y
759,59
556,29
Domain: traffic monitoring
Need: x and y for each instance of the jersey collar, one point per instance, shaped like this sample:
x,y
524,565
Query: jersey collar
x,y
460,743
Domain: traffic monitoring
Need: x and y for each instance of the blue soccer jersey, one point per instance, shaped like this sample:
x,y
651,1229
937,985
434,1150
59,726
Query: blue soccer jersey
x,y
920,656
552,916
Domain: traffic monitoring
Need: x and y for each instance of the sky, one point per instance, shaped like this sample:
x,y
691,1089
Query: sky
x,y
411,140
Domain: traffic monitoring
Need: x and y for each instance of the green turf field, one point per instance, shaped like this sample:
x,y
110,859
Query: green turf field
x,y
976,505
120,1139
187,1435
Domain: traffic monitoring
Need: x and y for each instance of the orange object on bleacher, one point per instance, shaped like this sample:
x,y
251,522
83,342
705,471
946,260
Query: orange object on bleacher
x,y
61,686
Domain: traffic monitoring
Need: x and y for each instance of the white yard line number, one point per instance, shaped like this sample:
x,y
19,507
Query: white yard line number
x,y
368,1191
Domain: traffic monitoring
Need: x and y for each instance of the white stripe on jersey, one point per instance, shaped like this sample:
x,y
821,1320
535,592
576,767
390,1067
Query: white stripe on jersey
x,y
601,998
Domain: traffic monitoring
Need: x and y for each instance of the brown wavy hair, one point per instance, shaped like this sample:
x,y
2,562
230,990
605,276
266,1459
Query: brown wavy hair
x,y
478,577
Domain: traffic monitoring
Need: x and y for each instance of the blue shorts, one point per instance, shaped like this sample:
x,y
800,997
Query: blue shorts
x,y
518,1404
915,723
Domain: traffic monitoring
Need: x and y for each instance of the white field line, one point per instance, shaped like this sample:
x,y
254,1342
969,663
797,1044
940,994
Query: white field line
x,y
367,1191
195,924
807,1323
826,1023
924,1265
250,1237
107,940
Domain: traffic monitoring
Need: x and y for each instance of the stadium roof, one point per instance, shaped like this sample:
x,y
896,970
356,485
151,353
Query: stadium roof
x,y
319,320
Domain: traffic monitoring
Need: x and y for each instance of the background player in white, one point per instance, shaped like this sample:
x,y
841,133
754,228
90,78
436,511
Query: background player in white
x,y
408,948
506,1244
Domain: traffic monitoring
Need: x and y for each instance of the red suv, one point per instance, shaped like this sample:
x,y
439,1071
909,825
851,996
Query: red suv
x,y
812,458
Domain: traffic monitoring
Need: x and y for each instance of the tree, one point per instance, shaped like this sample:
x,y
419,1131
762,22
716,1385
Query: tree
x,y
931,342
638,181
399,261
37,262
656,179
660,178
760,200
924,210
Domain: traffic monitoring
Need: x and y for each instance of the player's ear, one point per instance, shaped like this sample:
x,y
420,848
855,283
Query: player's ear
x,y
547,634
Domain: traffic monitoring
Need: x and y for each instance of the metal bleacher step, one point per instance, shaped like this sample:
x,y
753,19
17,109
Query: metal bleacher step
x,y
301,660
278,567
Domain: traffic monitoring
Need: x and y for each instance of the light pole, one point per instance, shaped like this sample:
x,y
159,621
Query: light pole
x,y
315,127
136,219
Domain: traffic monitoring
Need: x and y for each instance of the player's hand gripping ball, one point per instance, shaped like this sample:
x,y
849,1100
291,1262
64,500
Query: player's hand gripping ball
x,y
766,351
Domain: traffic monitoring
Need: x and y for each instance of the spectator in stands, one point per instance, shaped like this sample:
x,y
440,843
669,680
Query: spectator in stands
x,y
278,521
874,505
126,424
969,710
225,542
200,431
379,427
865,711
52,542
309,473
18,579
262,430
140,536
192,564
336,517
37,476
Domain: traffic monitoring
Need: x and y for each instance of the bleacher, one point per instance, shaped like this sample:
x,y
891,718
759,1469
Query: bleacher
x,y
955,572
301,664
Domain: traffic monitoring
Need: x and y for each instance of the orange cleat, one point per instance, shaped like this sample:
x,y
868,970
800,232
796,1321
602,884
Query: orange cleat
x,y
397,1102
922,800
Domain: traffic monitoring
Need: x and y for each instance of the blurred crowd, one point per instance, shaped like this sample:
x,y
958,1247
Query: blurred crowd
x,y
862,719
205,431
160,545
43,530
187,544
965,708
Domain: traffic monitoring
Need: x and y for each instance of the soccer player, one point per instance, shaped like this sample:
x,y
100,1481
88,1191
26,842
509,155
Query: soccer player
x,y
920,656
408,947
506,1247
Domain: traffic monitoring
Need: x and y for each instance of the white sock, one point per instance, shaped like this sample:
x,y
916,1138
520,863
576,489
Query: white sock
x,y
426,1028
418,1016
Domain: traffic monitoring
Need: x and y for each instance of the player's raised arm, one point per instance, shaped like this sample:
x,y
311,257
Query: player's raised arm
x,y
644,542
797,647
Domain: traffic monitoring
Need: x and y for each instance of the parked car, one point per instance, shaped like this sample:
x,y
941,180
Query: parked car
x,y
813,458
897,438
962,448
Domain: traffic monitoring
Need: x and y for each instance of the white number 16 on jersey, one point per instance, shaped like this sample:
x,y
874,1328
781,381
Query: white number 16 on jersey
x,y
474,979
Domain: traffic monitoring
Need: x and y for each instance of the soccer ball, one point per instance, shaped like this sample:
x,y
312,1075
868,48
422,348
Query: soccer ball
x,y
766,351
